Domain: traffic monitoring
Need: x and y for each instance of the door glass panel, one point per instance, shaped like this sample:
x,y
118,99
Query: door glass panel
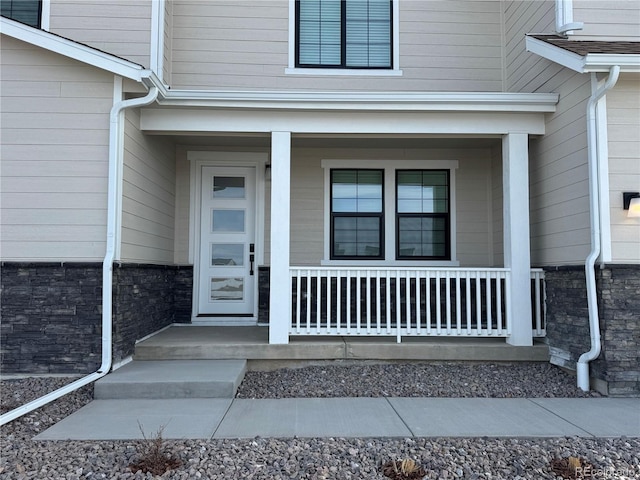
x,y
228,187
227,221
227,289
227,254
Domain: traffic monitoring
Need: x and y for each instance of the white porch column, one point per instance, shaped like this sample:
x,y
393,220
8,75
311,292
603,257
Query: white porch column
x,y
280,291
517,252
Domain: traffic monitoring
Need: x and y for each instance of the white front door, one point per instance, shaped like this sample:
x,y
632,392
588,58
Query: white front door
x,y
227,241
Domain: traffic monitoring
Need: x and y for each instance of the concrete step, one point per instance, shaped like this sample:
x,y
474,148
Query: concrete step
x,y
165,379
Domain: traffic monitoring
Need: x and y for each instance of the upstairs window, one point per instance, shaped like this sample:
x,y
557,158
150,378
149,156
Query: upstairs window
x,y
344,34
23,11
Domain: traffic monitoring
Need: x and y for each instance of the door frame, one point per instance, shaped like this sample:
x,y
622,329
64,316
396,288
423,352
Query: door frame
x,y
208,158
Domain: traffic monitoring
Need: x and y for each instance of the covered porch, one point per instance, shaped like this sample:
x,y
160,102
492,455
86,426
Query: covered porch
x,y
480,286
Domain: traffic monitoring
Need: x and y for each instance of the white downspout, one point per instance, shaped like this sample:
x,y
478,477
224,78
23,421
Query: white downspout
x,y
582,367
107,265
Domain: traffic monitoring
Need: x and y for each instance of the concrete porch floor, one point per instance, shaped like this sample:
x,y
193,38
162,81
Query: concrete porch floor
x,y
191,342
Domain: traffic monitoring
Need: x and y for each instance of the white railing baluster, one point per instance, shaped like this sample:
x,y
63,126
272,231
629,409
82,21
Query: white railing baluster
x,y
418,312
468,301
309,305
298,297
438,306
448,300
358,299
348,303
329,305
499,303
488,302
478,303
458,303
398,307
378,307
507,288
388,299
407,301
318,302
338,298
427,301
368,299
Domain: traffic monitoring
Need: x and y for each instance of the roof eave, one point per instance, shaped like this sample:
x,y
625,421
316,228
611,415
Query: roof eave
x,y
359,101
74,50
592,62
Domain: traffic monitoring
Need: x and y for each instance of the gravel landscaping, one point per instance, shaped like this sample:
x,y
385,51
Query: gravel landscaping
x,y
322,458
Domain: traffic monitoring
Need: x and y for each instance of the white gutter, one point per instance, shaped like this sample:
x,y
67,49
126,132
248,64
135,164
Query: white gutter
x,y
107,265
582,367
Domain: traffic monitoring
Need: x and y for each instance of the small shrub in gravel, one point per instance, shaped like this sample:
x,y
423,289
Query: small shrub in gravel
x,y
571,467
406,469
153,455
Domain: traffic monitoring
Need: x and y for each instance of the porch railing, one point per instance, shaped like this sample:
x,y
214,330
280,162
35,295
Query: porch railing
x,y
461,302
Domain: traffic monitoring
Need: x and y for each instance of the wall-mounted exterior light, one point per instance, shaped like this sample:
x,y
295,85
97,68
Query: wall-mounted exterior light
x,y
631,202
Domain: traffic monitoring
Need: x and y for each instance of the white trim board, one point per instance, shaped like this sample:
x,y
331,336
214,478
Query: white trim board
x,y
184,120
71,49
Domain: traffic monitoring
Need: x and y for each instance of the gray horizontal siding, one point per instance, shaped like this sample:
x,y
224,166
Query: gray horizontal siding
x,y
55,134
120,27
450,46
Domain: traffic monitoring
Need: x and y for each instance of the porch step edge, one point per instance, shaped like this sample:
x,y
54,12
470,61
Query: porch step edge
x,y
167,379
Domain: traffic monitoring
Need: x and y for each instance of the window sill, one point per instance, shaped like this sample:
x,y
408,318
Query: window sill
x,y
343,72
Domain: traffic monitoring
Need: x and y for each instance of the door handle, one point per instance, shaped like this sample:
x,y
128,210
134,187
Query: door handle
x,y
252,257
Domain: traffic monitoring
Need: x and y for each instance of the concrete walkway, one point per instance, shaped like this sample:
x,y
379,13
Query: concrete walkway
x,y
351,417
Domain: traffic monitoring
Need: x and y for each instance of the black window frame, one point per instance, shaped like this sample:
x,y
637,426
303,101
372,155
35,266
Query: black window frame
x,y
7,11
333,215
446,216
343,44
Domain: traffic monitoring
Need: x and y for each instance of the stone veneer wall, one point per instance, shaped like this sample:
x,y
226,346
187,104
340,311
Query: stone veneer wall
x,y
264,280
617,369
147,298
51,313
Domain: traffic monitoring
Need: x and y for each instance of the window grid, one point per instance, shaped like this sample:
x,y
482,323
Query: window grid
x,y
368,35
357,214
422,215
28,12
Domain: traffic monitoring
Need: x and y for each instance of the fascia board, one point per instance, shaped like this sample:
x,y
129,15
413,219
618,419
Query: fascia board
x,y
557,55
370,101
68,48
597,62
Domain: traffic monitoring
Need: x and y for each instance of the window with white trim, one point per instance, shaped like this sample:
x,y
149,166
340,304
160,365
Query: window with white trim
x,y
352,34
357,214
390,212
24,11
422,215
